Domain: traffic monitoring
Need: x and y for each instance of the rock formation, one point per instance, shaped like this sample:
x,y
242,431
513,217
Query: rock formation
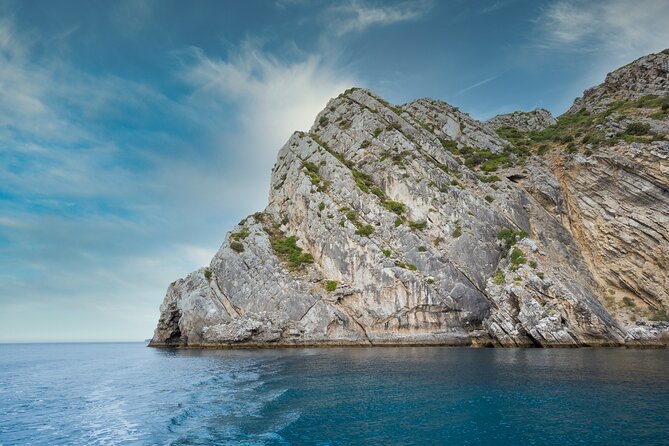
x,y
417,224
534,120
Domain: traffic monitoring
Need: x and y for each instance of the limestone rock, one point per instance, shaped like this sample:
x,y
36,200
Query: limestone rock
x,y
534,120
648,75
417,224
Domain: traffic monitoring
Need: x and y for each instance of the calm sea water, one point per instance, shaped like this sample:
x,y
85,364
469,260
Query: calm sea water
x,y
128,394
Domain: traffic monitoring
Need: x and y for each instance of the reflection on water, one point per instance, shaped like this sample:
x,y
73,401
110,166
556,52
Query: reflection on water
x,y
129,394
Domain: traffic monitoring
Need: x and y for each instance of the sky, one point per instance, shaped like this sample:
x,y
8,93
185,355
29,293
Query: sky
x,y
135,134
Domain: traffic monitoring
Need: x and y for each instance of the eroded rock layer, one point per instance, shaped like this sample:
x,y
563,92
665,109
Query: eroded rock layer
x,y
420,225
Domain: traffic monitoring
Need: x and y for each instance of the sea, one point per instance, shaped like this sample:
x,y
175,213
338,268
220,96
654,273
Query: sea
x,y
129,394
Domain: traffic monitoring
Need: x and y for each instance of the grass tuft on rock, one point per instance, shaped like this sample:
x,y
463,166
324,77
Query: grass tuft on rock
x,y
499,278
517,258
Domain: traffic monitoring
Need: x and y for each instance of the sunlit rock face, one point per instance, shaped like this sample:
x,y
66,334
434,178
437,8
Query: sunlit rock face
x,y
535,120
417,224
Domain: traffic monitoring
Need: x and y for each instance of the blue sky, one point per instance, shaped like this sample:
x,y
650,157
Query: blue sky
x,y
135,134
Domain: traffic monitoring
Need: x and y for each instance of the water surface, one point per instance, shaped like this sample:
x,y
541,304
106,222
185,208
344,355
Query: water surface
x,y
129,394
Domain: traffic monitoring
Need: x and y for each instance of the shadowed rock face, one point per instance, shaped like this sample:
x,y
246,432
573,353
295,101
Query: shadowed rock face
x,y
420,225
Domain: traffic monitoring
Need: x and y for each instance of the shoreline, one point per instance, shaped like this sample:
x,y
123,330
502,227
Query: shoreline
x,y
337,344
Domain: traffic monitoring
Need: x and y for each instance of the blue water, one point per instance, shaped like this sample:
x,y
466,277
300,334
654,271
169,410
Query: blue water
x,y
73,394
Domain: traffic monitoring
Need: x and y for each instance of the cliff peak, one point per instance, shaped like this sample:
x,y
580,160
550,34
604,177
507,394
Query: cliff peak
x,y
648,75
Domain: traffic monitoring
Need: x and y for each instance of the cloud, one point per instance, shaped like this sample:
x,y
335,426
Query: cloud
x,y
357,16
271,98
497,5
617,28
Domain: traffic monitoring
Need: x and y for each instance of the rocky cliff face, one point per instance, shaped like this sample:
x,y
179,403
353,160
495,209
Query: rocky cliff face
x,y
420,225
534,120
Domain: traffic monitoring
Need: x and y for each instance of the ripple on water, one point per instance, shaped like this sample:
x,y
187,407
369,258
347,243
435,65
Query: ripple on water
x,y
125,394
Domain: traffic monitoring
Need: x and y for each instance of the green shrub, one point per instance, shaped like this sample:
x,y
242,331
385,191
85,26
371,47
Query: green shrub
x,y
489,178
628,302
499,278
321,206
240,235
430,280
457,232
207,273
287,250
237,246
422,249
331,285
362,180
533,264
394,206
312,170
517,258
411,267
386,252
345,124
398,221
323,121
637,128
449,144
509,236
540,275
365,144
365,231
377,132
512,134
489,199
418,226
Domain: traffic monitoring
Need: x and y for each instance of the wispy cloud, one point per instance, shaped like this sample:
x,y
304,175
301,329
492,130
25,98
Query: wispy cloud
x,y
357,16
276,96
476,85
617,28
130,16
498,5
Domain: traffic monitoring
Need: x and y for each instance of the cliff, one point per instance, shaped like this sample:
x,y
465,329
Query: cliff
x,y
417,224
